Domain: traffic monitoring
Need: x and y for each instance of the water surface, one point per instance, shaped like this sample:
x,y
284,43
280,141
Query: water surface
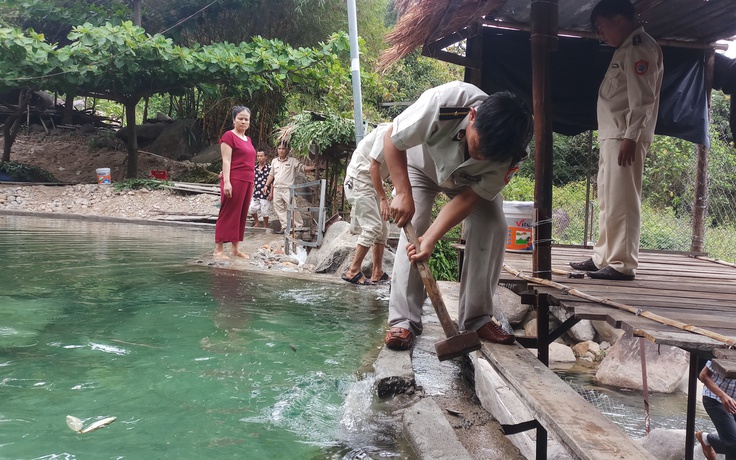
x,y
104,319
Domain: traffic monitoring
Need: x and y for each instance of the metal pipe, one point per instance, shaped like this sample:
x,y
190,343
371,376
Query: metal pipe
x,y
355,71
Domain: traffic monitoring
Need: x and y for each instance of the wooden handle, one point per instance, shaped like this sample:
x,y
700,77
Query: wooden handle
x,y
431,286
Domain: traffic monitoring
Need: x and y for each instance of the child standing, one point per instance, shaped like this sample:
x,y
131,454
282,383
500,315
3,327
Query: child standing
x,y
260,205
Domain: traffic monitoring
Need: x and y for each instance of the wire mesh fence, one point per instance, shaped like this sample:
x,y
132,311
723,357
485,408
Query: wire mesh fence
x,y
669,198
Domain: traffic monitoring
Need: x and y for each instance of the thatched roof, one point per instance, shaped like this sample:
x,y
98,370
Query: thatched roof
x,y
423,22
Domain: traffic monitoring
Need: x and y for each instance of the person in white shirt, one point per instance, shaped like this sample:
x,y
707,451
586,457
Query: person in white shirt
x,y
282,175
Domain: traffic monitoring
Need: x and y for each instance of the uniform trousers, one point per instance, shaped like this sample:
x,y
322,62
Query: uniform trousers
x,y
485,242
366,212
230,226
281,197
619,208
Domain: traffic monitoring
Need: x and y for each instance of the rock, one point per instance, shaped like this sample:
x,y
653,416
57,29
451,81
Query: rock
x,y
560,353
581,332
530,327
179,140
145,133
510,304
587,351
607,332
336,254
207,155
622,366
667,444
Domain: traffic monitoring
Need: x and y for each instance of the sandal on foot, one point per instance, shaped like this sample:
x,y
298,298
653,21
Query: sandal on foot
x,y
384,279
399,338
356,279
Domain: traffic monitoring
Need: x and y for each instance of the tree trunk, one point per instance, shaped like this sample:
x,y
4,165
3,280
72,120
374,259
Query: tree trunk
x,y
132,171
12,123
137,12
68,117
145,110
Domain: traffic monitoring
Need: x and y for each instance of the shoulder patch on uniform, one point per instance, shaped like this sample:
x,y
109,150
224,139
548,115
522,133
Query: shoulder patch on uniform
x,y
641,67
636,40
453,113
510,173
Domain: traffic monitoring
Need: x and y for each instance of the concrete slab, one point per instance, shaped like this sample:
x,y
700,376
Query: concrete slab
x,y
430,434
394,373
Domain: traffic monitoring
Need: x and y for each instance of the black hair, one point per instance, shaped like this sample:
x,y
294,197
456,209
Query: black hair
x,y
611,8
504,125
239,108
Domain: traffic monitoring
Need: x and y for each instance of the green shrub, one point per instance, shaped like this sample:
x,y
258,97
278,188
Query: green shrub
x,y
443,262
136,184
21,172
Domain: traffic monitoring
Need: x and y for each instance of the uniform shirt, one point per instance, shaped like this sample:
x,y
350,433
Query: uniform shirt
x,y
243,159
727,385
435,126
369,148
628,98
260,182
283,172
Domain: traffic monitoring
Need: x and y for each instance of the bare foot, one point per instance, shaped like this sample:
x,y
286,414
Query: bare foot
x,y
220,255
241,255
256,225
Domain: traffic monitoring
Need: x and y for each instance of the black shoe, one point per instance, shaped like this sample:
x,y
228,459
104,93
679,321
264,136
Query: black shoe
x,y
586,266
610,273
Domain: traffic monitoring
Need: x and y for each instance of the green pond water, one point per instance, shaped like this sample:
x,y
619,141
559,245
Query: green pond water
x,y
104,319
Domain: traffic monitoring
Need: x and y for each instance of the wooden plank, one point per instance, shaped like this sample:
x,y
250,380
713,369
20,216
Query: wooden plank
x,y
684,340
579,426
724,367
725,353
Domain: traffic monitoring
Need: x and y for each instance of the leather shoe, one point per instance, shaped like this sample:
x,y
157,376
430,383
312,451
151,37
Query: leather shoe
x,y
493,333
585,266
610,273
399,338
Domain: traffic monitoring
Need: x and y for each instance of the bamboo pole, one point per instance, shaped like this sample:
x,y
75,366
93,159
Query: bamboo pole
x,y
636,311
718,261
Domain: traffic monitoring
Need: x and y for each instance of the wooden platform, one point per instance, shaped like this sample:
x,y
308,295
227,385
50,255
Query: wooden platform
x,y
683,288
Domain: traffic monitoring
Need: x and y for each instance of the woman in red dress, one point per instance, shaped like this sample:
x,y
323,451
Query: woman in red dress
x,y
236,184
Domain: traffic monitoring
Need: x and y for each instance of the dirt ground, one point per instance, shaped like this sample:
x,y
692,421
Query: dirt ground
x,y
70,159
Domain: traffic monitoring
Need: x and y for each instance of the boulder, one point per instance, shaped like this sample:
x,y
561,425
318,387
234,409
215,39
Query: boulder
x,y
667,444
581,332
560,353
607,332
209,154
587,351
510,304
622,365
530,327
145,133
336,254
179,140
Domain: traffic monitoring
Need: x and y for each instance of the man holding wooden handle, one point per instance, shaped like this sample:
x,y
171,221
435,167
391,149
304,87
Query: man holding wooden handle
x,y
458,140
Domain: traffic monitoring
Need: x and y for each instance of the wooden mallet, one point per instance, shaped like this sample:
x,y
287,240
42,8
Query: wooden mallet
x,y
456,344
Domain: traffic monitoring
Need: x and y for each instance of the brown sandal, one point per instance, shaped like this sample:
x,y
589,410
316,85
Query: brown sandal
x,y
399,338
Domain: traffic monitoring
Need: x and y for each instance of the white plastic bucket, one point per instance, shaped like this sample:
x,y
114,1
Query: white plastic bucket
x,y
103,176
520,222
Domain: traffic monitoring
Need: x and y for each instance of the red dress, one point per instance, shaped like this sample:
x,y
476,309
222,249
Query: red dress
x,y
230,226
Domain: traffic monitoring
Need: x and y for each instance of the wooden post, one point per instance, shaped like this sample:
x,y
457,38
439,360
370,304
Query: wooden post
x,y
543,40
700,203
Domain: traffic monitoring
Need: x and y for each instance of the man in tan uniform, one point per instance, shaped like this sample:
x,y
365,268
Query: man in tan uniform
x,y
458,140
628,104
282,175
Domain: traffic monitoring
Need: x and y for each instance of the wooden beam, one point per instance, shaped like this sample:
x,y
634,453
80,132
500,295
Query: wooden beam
x,y
452,58
543,41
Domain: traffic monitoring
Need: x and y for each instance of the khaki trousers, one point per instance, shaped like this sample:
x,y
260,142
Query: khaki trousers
x,y
619,206
485,244
365,213
280,202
